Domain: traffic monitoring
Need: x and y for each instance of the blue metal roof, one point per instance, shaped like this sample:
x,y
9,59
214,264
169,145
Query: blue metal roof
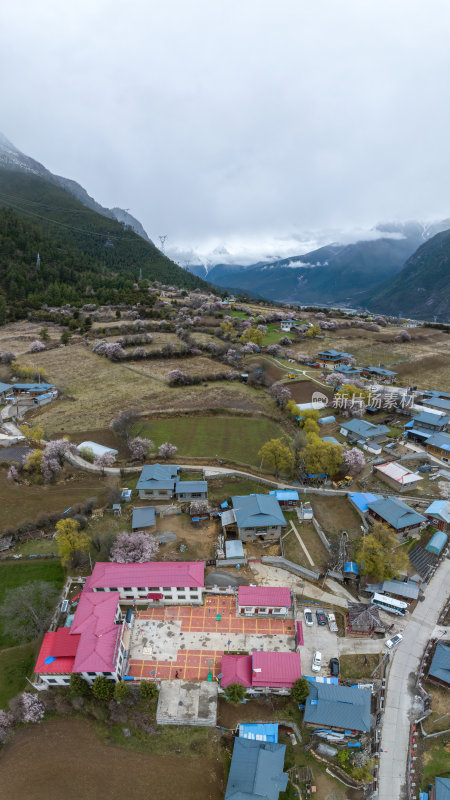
x,y
361,499
259,732
439,508
351,567
440,665
257,511
441,440
441,789
4,387
34,387
256,771
143,518
331,439
380,371
338,707
365,429
395,512
428,418
152,474
285,494
190,487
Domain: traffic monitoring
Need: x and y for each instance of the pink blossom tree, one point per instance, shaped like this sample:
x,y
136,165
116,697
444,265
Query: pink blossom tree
x,y
354,461
335,379
280,394
177,378
105,460
37,346
5,726
114,351
140,352
32,708
134,548
358,408
140,448
167,450
403,336
53,457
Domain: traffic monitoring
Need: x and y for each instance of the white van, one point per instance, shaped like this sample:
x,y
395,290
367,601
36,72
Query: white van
x,y
317,661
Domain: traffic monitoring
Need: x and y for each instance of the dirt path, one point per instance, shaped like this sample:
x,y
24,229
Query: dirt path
x,y
63,758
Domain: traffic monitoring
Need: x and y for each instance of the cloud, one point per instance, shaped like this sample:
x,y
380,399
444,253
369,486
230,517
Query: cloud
x,y
245,123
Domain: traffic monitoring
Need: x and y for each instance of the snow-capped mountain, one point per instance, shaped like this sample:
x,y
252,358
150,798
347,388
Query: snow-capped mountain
x,y
12,158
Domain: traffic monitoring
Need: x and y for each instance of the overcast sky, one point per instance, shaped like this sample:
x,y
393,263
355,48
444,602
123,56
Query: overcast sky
x,y
251,124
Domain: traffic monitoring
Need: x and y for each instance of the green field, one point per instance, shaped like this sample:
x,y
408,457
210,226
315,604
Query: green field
x,y
13,574
17,661
234,439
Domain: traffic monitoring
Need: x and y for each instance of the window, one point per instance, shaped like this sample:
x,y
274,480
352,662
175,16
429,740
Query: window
x,y
277,610
196,494
100,589
107,674
113,589
127,589
181,597
51,680
128,597
92,673
167,588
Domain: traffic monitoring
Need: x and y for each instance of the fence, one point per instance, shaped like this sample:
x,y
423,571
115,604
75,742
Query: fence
x,y
289,566
321,535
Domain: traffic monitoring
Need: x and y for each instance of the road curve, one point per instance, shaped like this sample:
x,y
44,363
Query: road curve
x,y
400,690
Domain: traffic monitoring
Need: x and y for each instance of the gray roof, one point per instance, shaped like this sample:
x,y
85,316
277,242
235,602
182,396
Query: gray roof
x,y
407,589
157,473
338,706
442,789
428,418
256,771
365,429
395,512
440,440
379,371
257,511
191,486
143,517
440,665
363,616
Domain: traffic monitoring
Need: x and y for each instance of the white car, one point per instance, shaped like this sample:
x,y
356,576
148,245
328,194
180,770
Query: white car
x,y
316,662
395,640
309,619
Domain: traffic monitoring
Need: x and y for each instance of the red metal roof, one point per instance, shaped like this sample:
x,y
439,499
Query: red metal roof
x,y
94,620
275,669
236,669
152,573
274,596
61,665
97,607
64,643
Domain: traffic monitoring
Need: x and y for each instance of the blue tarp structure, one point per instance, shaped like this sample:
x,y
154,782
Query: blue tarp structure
x,y
259,732
351,568
224,504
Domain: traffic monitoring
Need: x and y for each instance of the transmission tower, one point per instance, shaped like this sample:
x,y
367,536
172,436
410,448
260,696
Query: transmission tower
x,y
163,240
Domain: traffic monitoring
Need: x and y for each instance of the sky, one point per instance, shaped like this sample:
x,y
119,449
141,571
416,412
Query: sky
x,y
240,129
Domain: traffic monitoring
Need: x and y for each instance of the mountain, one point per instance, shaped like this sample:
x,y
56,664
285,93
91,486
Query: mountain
x,y
84,255
421,290
13,159
331,274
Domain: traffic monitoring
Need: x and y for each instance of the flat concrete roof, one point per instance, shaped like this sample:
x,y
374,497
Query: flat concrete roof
x,y
187,703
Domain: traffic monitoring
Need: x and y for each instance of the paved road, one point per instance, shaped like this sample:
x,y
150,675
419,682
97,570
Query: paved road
x,y
405,663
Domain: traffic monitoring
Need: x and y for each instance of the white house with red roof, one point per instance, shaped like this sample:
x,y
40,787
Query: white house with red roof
x,y
273,601
168,581
262,672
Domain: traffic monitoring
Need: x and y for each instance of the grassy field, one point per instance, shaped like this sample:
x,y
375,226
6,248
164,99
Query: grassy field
x,y
236,439
335,514
197,366
358,666
16,664
436,759
19,503
218,490
294,551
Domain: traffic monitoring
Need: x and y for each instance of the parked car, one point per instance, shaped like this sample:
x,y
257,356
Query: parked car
x,y
317,661
321,618
332,624
309,619
334,667
395,640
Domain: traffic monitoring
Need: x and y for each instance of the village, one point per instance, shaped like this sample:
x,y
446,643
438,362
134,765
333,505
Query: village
x,y
257,592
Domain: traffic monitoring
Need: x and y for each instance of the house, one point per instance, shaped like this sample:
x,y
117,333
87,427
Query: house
x,y
253,517
264,601
362,432
424,425
285,497
191,490
437,543
234,549
263,672
144,519
28,391
379,374
96,449
157,481
167,581
394,512
330,358
439,445
397,476
342,708
256,771
348,371
5,390
435,401
363,620
439,514
287,324
94,644
439,671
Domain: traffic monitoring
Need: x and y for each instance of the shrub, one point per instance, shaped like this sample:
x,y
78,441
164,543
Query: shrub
x,y
121,691
78,686
167,450
103,688
37,346
32,708
235,692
